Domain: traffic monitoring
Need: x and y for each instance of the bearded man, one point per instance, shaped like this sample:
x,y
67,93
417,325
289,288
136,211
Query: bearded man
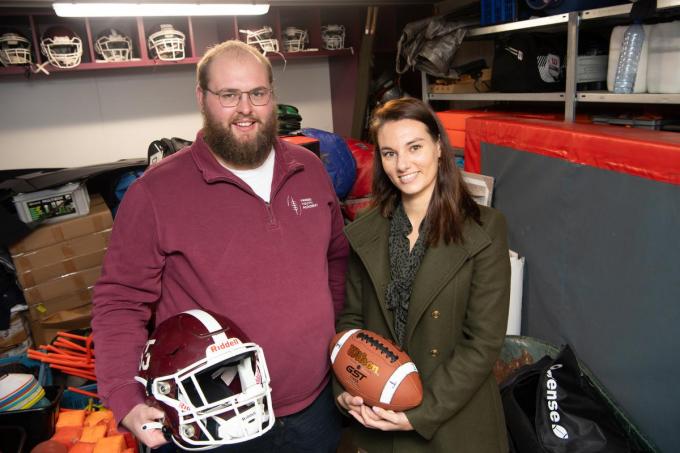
x,y
242,224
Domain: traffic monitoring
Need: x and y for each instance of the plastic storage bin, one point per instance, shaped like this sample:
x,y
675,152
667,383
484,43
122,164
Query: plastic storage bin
x,y
40,370
74,400
663,61
12,439
53,205
37,423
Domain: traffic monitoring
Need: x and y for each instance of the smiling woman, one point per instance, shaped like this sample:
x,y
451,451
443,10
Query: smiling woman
x,y
429,270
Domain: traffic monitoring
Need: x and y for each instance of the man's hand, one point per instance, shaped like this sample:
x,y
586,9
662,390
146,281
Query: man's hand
x,y
140,415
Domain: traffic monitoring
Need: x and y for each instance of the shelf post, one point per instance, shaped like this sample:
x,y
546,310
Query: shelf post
x,y
572,54
423,82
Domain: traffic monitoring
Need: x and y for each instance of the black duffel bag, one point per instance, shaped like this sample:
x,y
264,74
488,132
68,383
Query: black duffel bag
x,y
528,62
551,406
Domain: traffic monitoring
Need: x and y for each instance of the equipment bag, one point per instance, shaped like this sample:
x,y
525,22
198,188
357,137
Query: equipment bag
x,y
336,158
429,45
551,406
528,62
164,147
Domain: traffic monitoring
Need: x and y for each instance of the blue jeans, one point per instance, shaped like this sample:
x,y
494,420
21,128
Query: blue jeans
x,y
315,429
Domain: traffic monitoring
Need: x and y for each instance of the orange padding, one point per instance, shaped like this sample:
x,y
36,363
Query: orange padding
x,y
640,152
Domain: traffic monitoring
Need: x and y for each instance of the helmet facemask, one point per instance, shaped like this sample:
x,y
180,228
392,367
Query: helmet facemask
x,y
167,43
14,50
333,36
63,51
294,39
263,39
114,47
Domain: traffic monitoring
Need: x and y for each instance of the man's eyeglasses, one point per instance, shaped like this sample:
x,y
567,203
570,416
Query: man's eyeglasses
x,y
231,98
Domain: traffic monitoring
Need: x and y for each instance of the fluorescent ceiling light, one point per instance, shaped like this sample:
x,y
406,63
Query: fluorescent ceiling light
x,y
156,9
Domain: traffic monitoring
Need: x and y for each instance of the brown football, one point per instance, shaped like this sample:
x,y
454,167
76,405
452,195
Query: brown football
x,y
370,366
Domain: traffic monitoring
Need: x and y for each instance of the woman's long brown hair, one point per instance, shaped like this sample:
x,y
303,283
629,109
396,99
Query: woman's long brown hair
x,y
451,203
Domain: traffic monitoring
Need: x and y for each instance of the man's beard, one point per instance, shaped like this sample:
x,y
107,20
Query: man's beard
x,y
250,153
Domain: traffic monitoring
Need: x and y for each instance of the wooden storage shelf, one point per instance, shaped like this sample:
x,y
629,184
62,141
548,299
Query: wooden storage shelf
x,y
200,32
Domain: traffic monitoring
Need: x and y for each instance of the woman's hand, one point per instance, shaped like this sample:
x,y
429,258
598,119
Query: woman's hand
x,y
376,417
350,403
384,420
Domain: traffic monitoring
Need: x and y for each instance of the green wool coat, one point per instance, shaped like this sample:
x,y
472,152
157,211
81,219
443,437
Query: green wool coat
x,y
455,329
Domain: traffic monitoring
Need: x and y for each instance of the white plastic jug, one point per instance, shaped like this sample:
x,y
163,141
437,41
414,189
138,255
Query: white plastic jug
x,y
663,60
615,49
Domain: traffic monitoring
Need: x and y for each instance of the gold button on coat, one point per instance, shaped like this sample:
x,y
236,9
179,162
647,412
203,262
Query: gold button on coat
x,y
434,352
435,314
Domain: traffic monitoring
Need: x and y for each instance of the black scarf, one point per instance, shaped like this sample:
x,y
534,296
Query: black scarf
x,y
403,268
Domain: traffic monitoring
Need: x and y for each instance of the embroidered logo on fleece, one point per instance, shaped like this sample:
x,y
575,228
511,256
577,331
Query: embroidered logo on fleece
x,y
299,205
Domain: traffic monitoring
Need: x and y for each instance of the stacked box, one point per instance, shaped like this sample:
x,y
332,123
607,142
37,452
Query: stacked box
x,y
57,266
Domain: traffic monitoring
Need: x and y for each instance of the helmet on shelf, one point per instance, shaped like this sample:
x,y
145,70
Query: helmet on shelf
x,y
62,47
166,43
113,45
294,39
209,379
333,36
15,49
262,38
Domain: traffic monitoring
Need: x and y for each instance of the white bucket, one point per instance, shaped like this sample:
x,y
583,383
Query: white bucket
x,y
615,49
663,61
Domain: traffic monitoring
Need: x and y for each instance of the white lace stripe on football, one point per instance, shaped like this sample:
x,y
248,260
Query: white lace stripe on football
x,y
395,380
210,324
340,343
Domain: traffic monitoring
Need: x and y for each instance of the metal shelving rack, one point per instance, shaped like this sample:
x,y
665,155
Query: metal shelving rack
x,y
570,96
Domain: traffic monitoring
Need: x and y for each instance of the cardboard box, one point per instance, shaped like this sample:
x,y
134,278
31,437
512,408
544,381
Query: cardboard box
x,y
42,310
42,274
62,286
591,68
44,331
61,251
465,84
98,219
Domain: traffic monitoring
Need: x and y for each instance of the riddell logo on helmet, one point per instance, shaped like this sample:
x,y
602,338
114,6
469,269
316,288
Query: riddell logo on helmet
x,y
553,406
231,342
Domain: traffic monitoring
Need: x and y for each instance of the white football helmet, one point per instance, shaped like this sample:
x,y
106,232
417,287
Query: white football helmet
x,y
333,36
209,379
262,38
166,43
112,45
62,47
294,39
15,49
